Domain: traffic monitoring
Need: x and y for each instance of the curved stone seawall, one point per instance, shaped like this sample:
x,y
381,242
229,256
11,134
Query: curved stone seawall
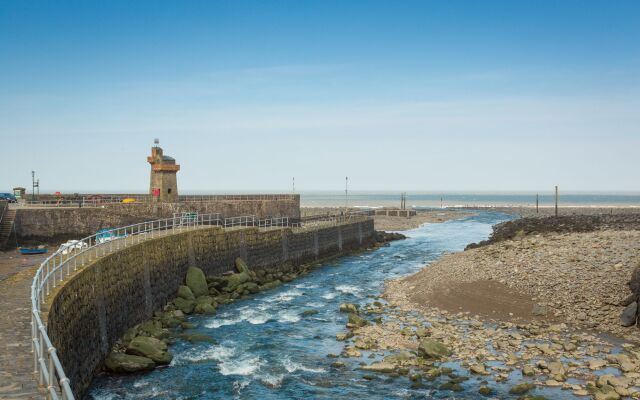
x,y
96,306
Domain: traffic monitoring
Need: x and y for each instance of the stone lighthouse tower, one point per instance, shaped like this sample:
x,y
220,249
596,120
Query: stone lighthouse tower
x,y
164,184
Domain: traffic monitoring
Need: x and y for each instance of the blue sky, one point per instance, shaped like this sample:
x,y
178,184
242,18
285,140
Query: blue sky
x,y
410,95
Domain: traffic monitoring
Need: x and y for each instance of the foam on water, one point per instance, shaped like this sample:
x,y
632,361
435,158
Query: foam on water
x,y
285,296
289,316
292,366
268,351
349,289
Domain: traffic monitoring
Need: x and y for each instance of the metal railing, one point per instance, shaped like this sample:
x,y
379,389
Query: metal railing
x,y
69,258
76,254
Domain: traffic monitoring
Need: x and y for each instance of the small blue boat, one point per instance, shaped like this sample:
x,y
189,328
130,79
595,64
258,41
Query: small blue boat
x,y
31,250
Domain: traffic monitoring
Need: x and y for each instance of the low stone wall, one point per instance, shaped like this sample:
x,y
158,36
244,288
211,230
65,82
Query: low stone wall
x,y
52,225
95,307
561,224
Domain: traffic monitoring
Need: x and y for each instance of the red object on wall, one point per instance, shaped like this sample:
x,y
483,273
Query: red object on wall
x,y
155,192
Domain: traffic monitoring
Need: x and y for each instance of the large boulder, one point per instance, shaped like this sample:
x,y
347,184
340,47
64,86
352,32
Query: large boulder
x,y
357,321
149,347
185,293
251,287
197,282
629,314
120,362
241,266
204,308
433,349
186,306
235,280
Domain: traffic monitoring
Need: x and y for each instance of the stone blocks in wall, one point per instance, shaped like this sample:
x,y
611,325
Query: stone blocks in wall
x,y
96,306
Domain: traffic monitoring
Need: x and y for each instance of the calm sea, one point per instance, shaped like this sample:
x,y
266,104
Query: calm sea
x,y
432,199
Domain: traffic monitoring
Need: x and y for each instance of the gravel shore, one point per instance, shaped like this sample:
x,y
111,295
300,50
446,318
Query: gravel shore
x,y
536,312
577,278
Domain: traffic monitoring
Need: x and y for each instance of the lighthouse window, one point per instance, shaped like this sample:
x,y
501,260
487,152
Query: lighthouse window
x,y
169,191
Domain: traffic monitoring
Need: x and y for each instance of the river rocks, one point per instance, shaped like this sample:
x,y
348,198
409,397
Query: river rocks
x,y
349,308
204,308
356,321
485,391
597,364
606,392
151,348
248,287
308,313
270,285
233,281
557,371
185,293
478,369
344,336
197,282
197,338
433,349
629,315
120,362
382,367
521,388
186,306
241,266
385,237
153,329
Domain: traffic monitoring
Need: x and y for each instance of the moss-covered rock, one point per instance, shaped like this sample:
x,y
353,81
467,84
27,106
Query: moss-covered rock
x,y
197,282
521,388
185,293
152,328
357,321
433,349
349,308
204,308
271,285
197,338
241,266
186,306
120,362
379,367
233,281
150,347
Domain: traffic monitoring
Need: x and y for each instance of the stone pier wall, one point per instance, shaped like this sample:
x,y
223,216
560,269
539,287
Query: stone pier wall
x,y
51,225
95,307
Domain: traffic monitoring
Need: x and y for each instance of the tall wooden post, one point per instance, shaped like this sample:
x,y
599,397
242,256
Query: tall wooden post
x,y
537,203
556,200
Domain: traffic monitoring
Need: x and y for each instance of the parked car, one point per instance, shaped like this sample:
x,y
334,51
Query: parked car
x,y
8,197
72,245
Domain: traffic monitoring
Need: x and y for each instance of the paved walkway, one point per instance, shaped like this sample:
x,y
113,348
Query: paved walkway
x,y
16,360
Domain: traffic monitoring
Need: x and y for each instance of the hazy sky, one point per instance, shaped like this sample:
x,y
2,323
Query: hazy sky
x,y
399,95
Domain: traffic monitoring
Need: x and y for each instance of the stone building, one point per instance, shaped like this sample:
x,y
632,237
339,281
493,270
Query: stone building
x,y
164,183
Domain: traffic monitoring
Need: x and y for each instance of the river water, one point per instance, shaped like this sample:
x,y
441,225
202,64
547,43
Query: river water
x,y
267,349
